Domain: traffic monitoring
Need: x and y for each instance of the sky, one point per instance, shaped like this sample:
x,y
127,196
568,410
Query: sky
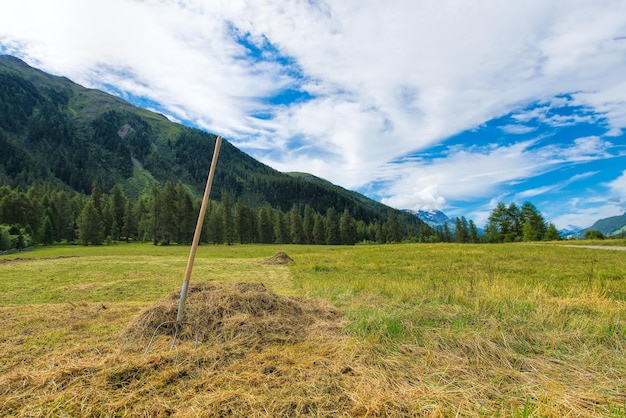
x,y
453,105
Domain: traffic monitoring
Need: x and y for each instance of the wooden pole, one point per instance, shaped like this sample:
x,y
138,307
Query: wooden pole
x,y
196,235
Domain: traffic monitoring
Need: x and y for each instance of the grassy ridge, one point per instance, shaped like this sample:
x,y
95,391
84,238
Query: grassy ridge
x,y
432,330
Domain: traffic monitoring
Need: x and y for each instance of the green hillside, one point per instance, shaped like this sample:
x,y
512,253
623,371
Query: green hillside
x,y
611,226
55,131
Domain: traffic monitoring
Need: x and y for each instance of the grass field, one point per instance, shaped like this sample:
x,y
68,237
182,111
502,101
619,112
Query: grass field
x,y
424,330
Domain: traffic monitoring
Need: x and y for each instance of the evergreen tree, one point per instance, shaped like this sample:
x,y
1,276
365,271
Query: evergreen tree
x,y
96,198
143,215
265,225
515,219
394,233
296,230
227,212
446,235
118,209
65,216
215,225
47,232
16,208
169,212
308,224
319,229
107,220
502,224
154,216
347,228
461,233
281,228
473,233
530,233
362,231
243,222
129,228
534,223
90,227
552,234
186,217
379,235
333,235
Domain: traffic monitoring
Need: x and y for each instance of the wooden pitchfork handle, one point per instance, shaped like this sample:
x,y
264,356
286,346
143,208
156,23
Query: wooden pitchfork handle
x,y
196,235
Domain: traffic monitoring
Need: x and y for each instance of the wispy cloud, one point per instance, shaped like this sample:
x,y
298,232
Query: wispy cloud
x,y
468,173
518,129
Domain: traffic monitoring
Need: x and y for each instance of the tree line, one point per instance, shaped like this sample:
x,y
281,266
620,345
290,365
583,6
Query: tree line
x,y
45,215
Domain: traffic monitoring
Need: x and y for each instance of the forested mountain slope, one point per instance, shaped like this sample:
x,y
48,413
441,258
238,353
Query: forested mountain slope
x,y
56,131
611,226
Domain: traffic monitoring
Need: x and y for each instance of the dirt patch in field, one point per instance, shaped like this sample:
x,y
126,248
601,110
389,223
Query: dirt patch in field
x,y
248,314
280,258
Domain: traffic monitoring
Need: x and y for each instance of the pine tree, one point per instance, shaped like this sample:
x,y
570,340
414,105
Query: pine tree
x,y
281,228
215,225
319,229
333,235
530,233
347,228
47,231
394,234
118,208
308,224
129,228
96,198
154,216
552,234
296,230
243,225
90,227
531,216
473,233
169,212
186,217
265,225
227,212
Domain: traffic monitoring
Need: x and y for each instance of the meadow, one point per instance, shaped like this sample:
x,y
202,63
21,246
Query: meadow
x,y
423,330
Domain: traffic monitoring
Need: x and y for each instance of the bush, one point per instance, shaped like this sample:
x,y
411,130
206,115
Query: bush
x,y
5,238
14,237
593,234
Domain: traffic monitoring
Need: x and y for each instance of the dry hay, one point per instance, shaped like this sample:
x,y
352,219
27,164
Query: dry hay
x,y
245,313
280,258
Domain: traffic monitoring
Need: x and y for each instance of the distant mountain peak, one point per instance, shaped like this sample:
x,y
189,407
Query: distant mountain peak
x,y
432,216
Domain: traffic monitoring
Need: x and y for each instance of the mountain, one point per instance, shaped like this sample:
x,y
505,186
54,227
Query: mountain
x,y
434,217
611,226
570,231
56,131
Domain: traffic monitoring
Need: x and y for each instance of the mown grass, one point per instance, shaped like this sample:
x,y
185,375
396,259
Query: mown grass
x,y
432,330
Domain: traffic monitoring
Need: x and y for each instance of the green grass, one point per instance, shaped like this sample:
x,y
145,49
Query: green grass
x,y
119,273
439,330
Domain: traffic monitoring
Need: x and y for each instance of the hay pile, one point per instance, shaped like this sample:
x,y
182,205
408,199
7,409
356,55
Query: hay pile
x,y
280,258
245,313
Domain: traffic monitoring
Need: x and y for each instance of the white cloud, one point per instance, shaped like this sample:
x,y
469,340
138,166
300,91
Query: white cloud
x,y
618,186
517,129
479,172
388,79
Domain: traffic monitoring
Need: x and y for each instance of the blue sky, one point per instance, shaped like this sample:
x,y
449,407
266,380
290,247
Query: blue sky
x,y
451,105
